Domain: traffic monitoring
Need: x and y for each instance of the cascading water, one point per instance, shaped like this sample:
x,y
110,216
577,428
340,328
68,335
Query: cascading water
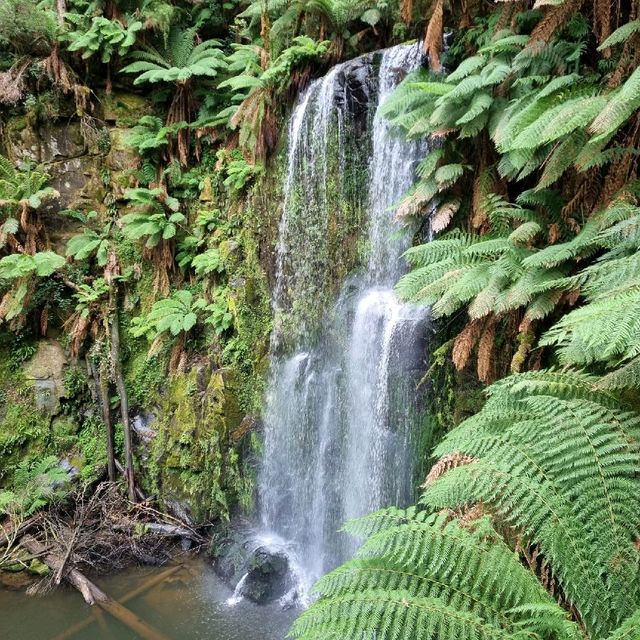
x,y
342,410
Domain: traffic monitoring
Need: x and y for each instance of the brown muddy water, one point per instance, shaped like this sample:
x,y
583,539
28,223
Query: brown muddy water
x,y
191,604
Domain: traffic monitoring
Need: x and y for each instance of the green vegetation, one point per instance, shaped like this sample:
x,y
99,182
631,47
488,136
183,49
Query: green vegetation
x,y
138,210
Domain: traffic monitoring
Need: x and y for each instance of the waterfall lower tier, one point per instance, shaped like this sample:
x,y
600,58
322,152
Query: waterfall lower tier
x,y
342,412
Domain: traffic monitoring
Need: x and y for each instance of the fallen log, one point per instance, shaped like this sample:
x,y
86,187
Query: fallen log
x,y
98,615
165,530
88,590
130,595
92,594
131,620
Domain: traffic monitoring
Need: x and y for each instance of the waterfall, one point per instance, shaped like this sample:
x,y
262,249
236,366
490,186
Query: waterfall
x,y
342,410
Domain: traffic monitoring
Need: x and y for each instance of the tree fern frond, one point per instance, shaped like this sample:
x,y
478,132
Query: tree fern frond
x,y
621,34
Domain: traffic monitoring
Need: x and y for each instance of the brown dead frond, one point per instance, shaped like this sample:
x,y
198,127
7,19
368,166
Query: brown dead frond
x,y
12,82
30,224
484,183
79,326
465,342
60,74
177,359
446,463
624,167
433,36
406,11
470,515
112,268
602,22
554,19
486,345
507,13
161,256
443,215
586,193
629,60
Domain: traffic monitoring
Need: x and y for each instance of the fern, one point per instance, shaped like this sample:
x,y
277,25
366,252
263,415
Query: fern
x,y
620,35
432,577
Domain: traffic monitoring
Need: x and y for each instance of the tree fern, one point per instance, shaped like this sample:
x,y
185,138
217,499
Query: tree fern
x,y
562,468
431,577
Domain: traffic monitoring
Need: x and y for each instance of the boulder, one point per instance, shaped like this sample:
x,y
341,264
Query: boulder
x,y
268,577
77,181
355,81
46,373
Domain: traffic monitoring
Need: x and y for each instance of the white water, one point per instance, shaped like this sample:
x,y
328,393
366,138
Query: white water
x,y
342,411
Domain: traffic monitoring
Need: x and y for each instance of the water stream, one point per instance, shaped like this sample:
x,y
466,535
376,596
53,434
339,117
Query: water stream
x,y
342,410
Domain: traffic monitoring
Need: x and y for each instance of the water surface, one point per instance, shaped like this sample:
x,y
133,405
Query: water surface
x,y
190,605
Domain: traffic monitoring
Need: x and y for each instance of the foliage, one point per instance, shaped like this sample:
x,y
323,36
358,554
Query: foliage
x,y
25,184
106,37
35,484
19,265
180,313
432,577
26,26
155,218
177,61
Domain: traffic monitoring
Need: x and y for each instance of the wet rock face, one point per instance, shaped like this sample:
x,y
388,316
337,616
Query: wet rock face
x,y
355,84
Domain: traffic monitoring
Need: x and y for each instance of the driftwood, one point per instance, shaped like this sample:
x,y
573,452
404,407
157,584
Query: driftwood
x,y
91,593
130,595
164,530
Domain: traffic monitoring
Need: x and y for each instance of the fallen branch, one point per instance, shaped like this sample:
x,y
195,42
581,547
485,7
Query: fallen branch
x,y
92,594
139,590
58,577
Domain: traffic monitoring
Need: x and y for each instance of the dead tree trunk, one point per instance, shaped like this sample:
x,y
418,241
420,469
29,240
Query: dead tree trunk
x,y
122,393
102,387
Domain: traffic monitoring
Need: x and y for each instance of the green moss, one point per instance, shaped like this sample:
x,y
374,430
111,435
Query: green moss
x,y
192,458
451,397
124,108
24,431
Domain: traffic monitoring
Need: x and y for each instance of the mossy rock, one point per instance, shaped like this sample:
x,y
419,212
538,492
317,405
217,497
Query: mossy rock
x,y
192,460
121,157
124,109
38,568
45,373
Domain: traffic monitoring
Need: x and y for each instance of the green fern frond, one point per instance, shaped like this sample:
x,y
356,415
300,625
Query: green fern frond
x,y
620,35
